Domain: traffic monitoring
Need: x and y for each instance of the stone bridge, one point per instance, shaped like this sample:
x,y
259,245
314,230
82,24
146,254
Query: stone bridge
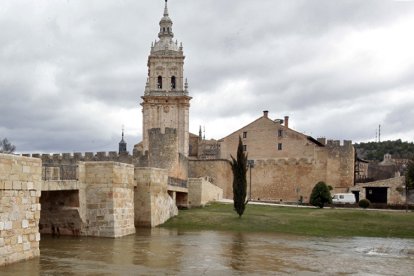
x,y
106,198
98,198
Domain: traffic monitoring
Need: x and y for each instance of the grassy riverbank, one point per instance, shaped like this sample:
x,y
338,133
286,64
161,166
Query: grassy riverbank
x,y
300,221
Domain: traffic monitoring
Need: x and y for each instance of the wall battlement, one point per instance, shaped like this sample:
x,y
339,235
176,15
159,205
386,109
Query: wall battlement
x,y
335,143
72,158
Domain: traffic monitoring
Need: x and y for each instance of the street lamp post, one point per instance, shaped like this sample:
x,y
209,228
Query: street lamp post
x,y
250,165
404,171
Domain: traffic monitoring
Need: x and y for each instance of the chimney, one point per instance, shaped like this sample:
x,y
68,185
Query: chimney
x,y
287,121
265,113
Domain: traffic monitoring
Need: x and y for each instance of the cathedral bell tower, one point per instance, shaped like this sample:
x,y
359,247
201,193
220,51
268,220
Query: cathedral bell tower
x,y
166,103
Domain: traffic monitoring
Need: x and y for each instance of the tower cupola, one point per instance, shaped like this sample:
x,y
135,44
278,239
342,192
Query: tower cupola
x,y
166,25
166,35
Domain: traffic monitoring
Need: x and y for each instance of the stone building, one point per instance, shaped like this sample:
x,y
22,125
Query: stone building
x,y
383,182
165,106
287,164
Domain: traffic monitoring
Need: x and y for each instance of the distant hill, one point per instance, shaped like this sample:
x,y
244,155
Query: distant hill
x,y
376,150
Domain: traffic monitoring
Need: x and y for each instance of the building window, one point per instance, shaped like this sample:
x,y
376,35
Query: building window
x,y
279,146
173,82
159,82
245,134
280,133
244,147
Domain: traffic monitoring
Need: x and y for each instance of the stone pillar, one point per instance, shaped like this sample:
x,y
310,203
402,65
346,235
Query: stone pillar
x,y
153,204
109,199
20,189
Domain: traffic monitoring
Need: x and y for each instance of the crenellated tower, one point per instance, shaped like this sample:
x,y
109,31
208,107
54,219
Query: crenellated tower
x,y
166,102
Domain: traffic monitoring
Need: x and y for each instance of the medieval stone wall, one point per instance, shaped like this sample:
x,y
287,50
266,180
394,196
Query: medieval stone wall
x,y
163,153
287,179
201,192
340,164
73,158
153,205
218,172
20,188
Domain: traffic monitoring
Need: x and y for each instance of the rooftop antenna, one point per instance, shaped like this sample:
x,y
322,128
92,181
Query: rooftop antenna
x,y
379,133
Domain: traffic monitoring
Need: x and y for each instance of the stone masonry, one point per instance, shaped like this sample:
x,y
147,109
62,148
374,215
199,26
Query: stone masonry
x,y
20,184
287,164
152,203
110,199
395,189
201,192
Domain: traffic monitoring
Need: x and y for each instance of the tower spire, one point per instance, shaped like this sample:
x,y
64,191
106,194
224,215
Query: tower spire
x,y
166,8
122,145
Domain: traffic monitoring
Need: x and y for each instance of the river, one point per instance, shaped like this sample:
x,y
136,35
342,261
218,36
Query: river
x,y
169,252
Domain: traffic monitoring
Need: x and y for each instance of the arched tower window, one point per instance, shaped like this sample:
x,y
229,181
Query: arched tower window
x,y
159,82
173,82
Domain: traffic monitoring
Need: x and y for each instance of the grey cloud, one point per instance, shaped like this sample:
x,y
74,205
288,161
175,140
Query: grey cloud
x,y
66,65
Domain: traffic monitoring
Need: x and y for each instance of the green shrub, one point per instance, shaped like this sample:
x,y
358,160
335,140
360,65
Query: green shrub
x,y
364,203
320,195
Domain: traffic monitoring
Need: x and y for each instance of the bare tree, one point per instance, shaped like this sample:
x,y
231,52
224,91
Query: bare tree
x,y
6,146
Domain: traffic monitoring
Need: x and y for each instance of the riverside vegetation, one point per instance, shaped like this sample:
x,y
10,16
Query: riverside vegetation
x,y
327,222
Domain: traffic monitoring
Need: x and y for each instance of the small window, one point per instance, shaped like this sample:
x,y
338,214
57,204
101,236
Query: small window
x,y
173,82
280,133
245,134
159,82
279,146
341,196
244,147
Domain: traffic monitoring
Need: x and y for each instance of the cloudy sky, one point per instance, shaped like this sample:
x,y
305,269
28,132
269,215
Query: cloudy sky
x,y
72,71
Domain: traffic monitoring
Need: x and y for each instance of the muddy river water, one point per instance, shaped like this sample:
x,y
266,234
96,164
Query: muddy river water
x,y
171,252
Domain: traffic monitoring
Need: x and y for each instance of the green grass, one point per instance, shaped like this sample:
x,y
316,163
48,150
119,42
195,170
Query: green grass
x,y
300,221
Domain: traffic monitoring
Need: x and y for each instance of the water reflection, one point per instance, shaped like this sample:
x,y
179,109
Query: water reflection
x,y
170,252
238,251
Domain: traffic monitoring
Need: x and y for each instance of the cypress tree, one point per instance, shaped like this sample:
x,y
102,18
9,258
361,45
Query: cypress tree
x,y
239,168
